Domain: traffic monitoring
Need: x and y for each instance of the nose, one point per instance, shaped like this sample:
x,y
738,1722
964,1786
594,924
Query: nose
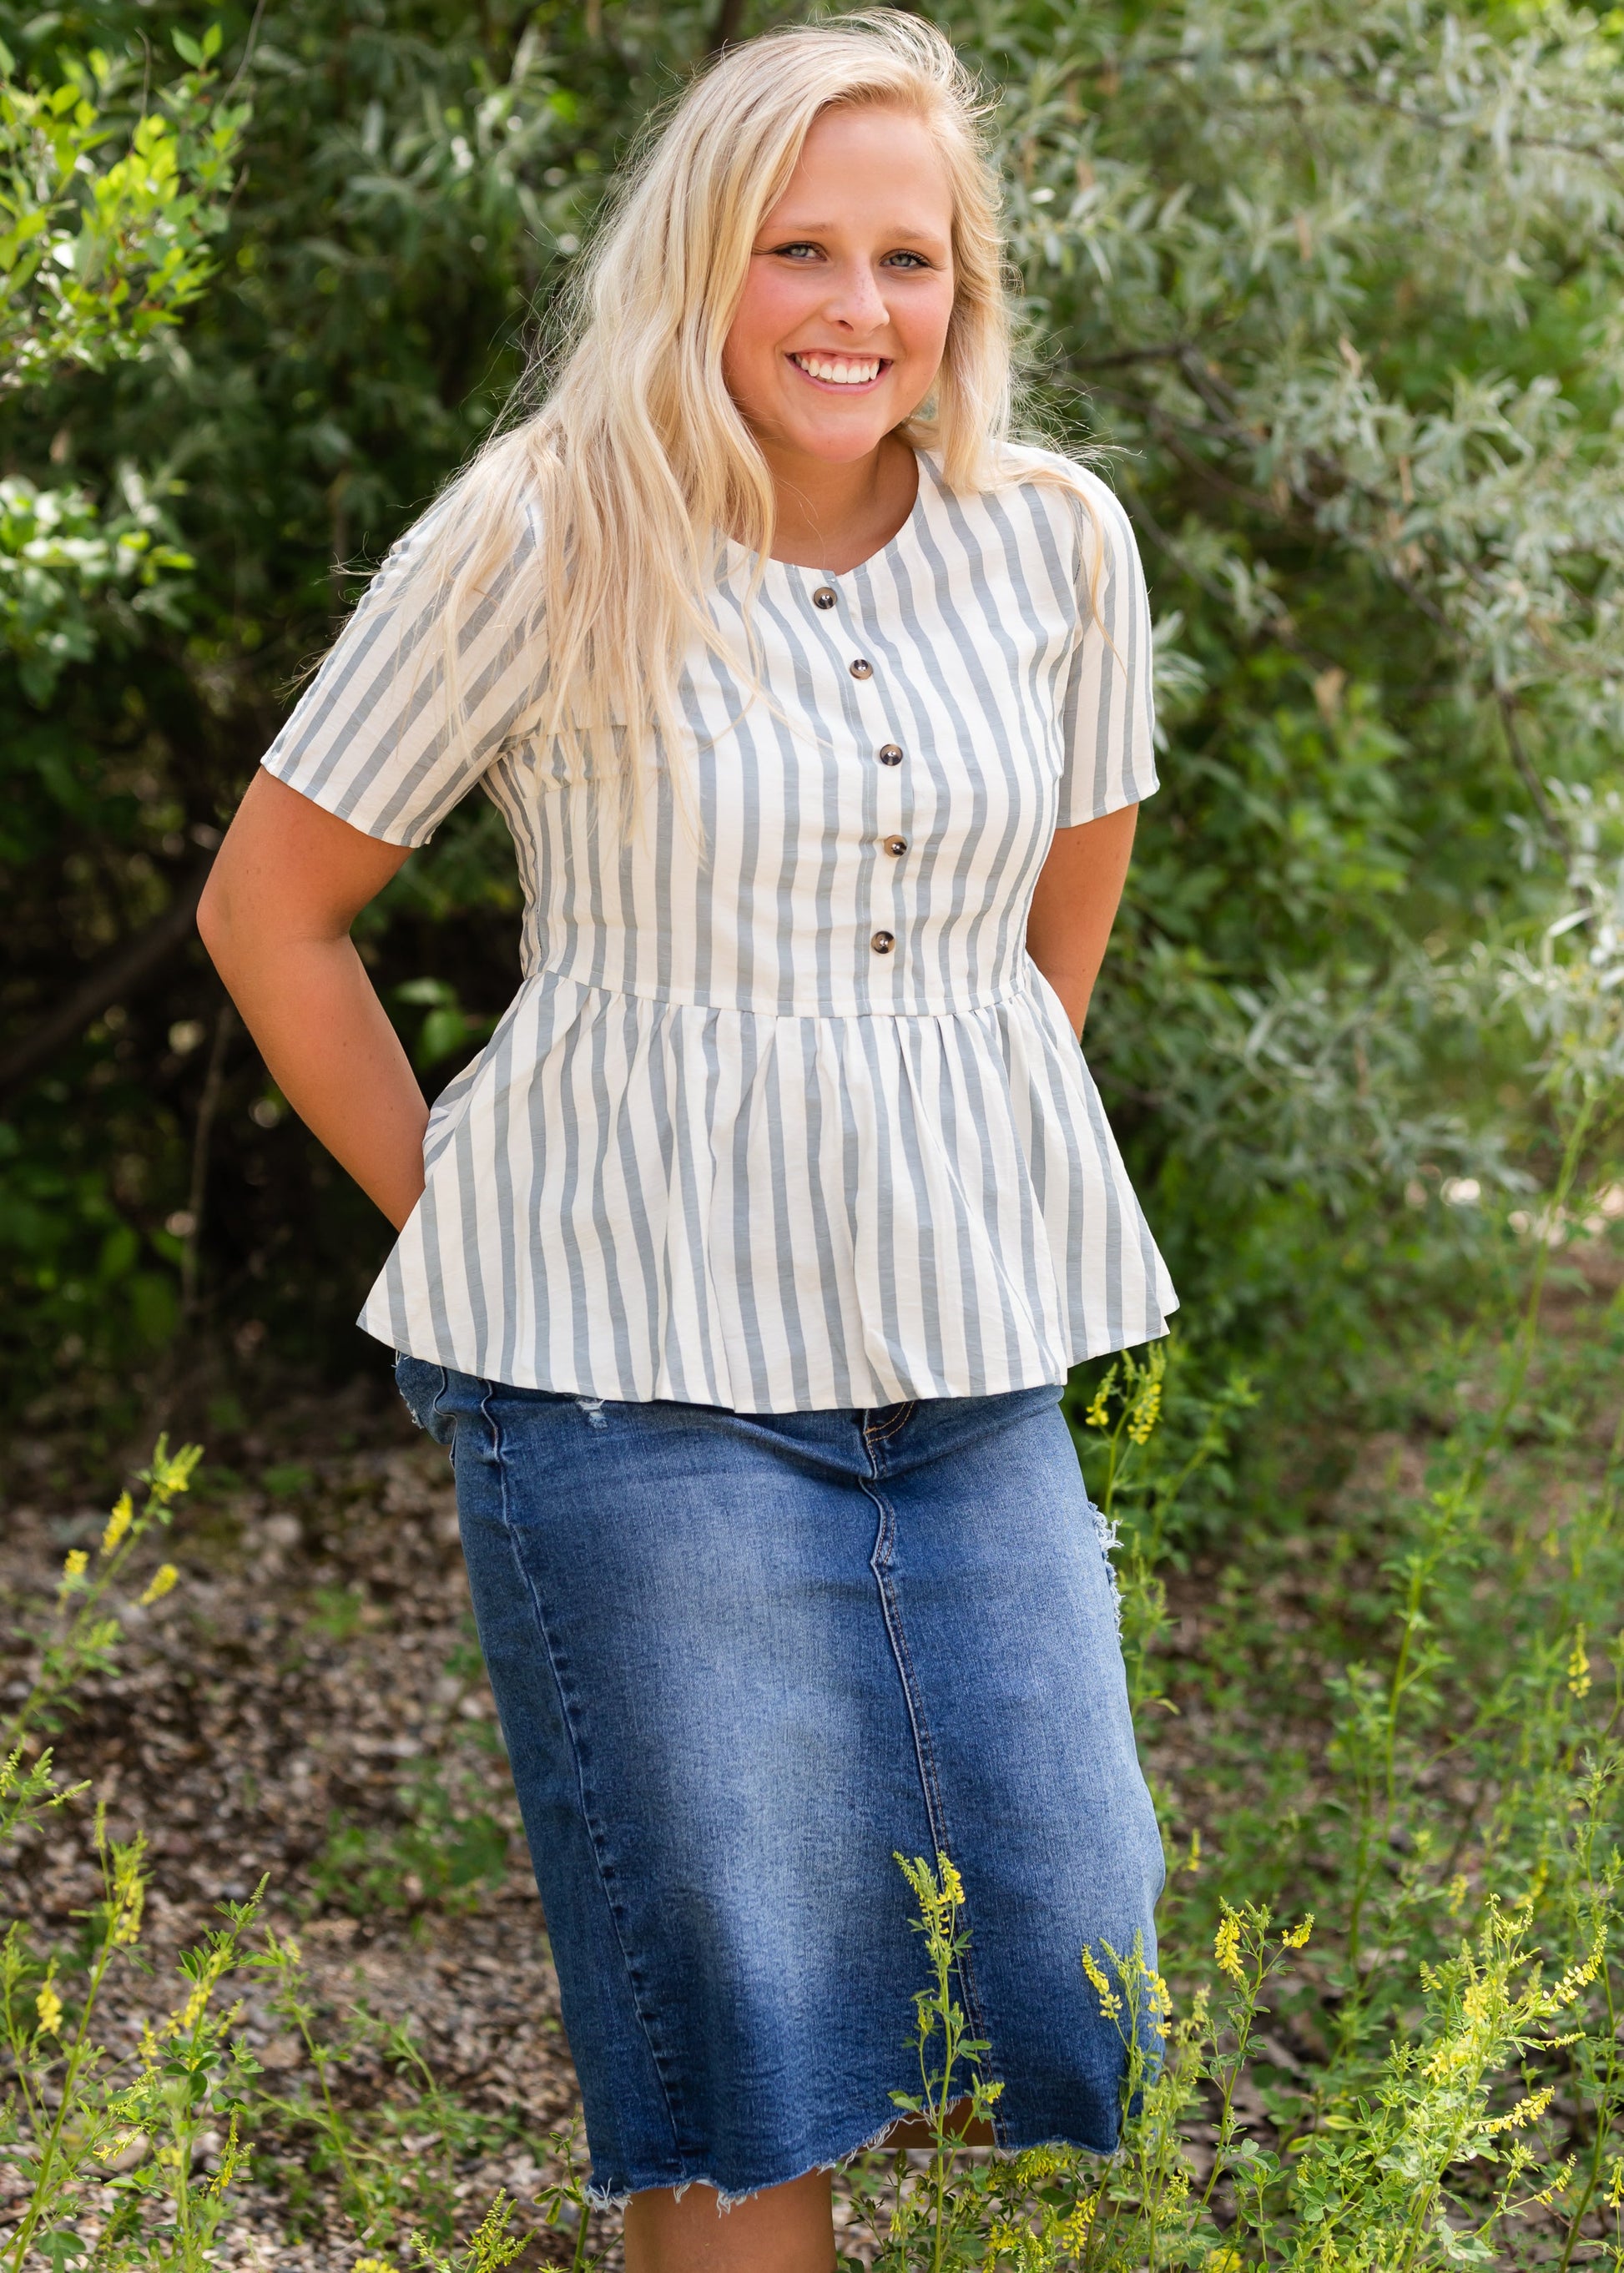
x,y
856,302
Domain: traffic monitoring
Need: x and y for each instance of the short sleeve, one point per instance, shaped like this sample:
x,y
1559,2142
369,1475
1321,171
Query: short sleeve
x,y
372,740
1109,717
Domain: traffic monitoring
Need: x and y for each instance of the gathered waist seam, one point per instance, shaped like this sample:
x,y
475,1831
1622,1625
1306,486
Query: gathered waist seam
x,y
1019,990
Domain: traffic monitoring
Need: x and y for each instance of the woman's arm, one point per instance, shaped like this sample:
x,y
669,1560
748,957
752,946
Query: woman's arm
x,y
286,885
1075,905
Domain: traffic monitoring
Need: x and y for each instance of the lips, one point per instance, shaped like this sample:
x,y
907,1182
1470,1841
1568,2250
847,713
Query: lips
x,y
854,371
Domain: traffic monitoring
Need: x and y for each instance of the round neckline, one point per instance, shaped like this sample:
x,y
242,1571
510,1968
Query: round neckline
x,y
794,568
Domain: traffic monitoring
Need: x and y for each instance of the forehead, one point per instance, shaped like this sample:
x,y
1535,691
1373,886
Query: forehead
x,y
870,160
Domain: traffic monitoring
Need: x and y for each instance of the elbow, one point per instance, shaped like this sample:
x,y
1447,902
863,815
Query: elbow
x,y
215,923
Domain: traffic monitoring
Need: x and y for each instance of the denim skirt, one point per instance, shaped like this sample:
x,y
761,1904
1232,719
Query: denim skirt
x,y
744,1661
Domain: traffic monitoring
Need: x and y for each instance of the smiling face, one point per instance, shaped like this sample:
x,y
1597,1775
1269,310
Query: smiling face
x,y
841,329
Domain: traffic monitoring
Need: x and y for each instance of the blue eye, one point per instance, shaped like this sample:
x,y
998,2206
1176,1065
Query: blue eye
x,y
802,251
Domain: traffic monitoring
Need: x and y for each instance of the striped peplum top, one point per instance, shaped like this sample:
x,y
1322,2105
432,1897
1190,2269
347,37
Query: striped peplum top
x,y
799,1124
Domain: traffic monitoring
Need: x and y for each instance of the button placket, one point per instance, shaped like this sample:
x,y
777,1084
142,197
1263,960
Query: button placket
x,y
886,885
883,939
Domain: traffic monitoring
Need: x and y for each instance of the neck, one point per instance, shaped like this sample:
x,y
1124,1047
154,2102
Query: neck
x,y
835,516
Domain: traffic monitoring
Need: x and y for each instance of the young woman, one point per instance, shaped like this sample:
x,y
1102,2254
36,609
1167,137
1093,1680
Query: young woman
x,y
741,1270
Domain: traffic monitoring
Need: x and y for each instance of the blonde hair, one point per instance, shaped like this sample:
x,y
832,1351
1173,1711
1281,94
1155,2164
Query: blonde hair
x,y
600,514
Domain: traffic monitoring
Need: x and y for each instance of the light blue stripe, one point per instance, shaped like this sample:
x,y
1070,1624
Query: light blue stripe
x,y
630,1106
754,1347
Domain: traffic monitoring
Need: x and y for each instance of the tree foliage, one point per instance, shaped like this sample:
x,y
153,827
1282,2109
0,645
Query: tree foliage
x,y
107,230
1332,286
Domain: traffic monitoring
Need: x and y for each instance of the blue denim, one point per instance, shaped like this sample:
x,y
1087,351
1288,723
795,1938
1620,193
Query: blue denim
x,y
741,1661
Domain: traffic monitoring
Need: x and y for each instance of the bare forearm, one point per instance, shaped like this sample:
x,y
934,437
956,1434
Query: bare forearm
x,y
275,914
331,1050
1075,905
1075,989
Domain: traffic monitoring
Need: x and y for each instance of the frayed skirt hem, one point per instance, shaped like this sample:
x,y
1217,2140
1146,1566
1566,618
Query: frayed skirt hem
x,y
617,2196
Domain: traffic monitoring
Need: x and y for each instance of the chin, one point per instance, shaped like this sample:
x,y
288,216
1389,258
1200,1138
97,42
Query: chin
x,y
843,448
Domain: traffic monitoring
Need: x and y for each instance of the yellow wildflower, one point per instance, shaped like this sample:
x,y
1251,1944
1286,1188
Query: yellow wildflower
x,y
1146,1413
1298,1939
162,1579
1223,2261
129,1900
1194,1862
122,1517
1579,1665
171,1472
1227,1947
953,1885
1460,1886
1158,2001
1074,2228
1577,1978
230,2161
182,2022
72,1571
1033,2165
1099,1411
48,2005
1111,2003
1523,2112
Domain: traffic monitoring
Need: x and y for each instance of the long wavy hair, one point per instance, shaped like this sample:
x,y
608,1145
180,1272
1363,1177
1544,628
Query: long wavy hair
x,y
600,514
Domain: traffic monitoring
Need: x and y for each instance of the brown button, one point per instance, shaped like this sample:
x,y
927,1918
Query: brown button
x,y
883,943
824,597
895,843
889,754
861,670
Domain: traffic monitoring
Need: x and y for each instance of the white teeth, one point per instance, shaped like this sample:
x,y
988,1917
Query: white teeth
x,y
838,371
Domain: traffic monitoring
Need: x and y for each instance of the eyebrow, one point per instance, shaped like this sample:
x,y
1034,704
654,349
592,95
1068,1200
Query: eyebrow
x,y
792,230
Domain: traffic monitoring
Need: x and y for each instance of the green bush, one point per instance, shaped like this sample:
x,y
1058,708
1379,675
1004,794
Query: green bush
x,y
1335,290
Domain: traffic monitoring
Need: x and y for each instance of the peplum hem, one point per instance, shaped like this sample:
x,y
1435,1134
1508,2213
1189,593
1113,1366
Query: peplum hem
x,y
641,1200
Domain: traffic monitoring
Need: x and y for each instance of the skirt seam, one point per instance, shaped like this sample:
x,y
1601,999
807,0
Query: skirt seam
x,y
587,1813
924,1755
